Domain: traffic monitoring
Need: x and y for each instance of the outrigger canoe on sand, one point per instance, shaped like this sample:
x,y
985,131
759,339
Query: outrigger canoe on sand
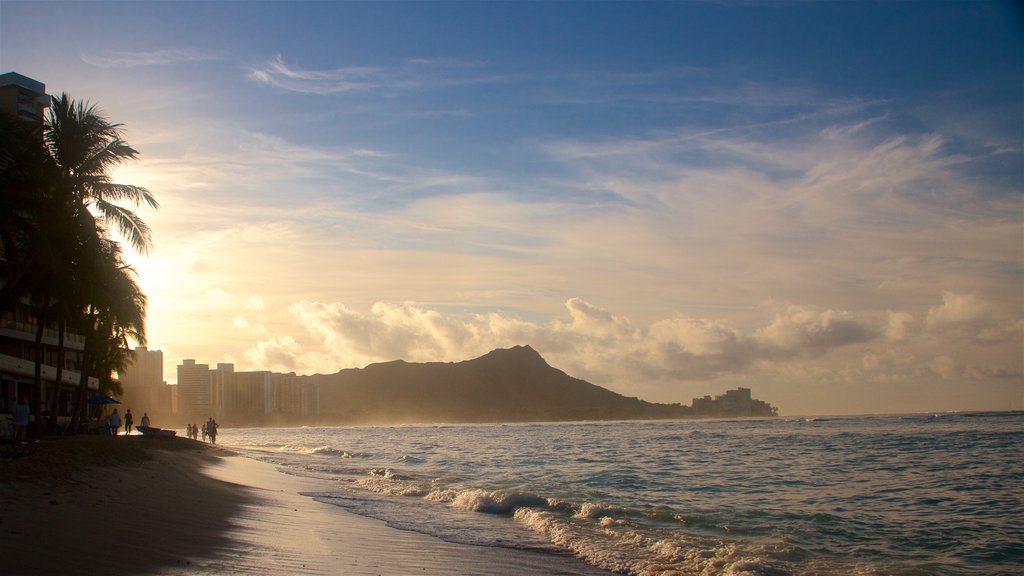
x,y
151,431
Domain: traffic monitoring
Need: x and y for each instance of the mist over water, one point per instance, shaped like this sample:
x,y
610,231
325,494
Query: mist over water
x,y
914,494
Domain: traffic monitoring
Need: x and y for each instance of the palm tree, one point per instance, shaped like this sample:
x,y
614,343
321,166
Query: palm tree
x,y
116,312
85,146
58,203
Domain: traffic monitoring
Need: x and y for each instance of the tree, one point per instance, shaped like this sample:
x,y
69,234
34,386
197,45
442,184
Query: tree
x,y
116,312
58,203
85,147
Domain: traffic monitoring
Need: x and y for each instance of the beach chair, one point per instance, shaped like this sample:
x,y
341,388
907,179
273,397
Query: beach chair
x,y
18,449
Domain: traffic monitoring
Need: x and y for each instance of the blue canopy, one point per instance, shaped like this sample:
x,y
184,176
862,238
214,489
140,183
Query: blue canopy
x,y
101,400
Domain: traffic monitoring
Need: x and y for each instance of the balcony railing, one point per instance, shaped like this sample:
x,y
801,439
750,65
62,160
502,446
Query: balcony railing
x,y
27,332
27,369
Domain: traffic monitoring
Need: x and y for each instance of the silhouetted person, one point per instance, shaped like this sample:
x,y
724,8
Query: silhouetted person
x,y
211,429
20,413
114,422
128,421
145,419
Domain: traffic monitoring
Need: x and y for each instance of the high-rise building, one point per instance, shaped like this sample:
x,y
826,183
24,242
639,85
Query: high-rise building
x,y
23,96
145,370
21,348
142,383
247,397
195,387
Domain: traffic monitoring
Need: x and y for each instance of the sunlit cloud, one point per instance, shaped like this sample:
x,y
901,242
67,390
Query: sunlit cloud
x,y
666,357
679,347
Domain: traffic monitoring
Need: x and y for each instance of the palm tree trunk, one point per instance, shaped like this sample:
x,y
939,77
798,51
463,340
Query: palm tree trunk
x,y
83,382
37,390
61,329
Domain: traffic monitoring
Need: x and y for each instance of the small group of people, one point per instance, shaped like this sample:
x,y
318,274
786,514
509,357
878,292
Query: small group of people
x,y
20,419
114,422
208,429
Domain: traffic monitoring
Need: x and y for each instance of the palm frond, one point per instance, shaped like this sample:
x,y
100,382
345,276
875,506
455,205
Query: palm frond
x,y
137,195
128,223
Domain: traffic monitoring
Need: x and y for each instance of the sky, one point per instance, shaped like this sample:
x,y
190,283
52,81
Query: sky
x,y
820,201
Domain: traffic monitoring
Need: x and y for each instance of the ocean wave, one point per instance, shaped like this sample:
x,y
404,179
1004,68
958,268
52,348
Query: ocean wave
x,y
327,451
589,510
496,502
623,549
389,486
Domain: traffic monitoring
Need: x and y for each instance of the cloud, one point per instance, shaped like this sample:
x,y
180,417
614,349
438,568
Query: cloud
x,y
957,310
969,319
899,325
593,340
162,57
277,354
278,74
413,74
802,331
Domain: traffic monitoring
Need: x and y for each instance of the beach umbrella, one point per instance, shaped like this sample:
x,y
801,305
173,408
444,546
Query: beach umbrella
x,y
101,400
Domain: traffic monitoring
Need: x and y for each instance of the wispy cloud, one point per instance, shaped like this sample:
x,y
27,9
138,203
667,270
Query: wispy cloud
x,y
162,57
411,74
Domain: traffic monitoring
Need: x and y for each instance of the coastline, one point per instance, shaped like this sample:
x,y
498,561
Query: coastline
x,y
135,505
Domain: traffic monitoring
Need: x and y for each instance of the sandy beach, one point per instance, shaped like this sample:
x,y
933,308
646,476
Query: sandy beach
x,y
136,505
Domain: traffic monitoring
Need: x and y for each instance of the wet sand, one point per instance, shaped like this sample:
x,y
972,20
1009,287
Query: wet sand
x,y
135,505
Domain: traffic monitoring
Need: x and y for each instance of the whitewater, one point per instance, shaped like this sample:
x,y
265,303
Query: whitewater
x,y
925,494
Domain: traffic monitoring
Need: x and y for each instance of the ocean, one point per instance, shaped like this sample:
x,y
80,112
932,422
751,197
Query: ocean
x,y
922,494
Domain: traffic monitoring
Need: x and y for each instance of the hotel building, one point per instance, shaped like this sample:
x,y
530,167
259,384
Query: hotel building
x,y
20,352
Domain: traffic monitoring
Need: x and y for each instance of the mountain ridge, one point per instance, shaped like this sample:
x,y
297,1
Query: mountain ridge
x,y
504,385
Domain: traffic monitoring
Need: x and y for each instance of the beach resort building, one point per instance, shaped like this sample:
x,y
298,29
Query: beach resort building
x,y
23,346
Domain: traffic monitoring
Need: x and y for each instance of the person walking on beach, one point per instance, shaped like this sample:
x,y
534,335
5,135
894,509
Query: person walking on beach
x,y
20,413
206,430
211,429
128,421
114,422
145,419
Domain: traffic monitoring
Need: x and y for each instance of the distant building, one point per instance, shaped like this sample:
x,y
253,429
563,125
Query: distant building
x,y
195,391
242,398
294,397
23,97
262,397
736,402
146,369
143,387
247,397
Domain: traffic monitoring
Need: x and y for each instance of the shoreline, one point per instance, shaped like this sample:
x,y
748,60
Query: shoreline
x,y
136,505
